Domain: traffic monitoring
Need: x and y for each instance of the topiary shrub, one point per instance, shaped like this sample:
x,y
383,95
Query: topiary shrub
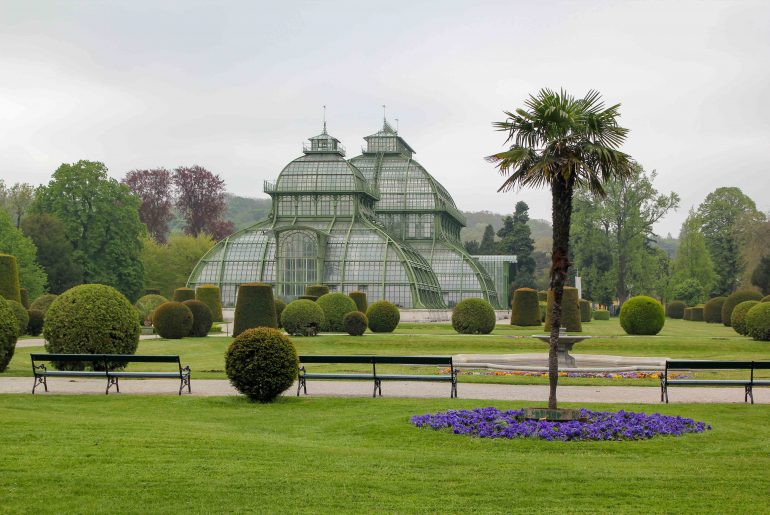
x,y
335,306
383,316
355,323
279,307
211,296
712,310
22,317
308,297
9,278
696,313
43,302
601,314
473,316
261,363
172,320
525,308
91,319
570,310
542,296
359,298
151,291
183,294
35,324
9,333
586,310
302,317
543,308
316,290
758,322
642,315
733,300
765,299
24,294
201,314
675,309
687,314
738,319
146,306
254,307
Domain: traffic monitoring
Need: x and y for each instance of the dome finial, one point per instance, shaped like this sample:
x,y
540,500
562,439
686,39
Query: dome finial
x,y
396,125
324,132
384,116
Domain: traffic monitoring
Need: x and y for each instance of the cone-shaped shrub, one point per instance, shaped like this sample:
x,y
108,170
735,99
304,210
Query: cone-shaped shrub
x,y
279,307
355,323
473,316
335,306
9,333
739,316
642,315
675,309
9,278
183,294
687,314
24,294
172,320
696,315
43,302
601,314
570,310
316,290
525,308
210,295
383,316
542,296
201,318
758,322
254,307
586,310
302,317
308,297
359,298
733,300
146,306
712,310
22,317
261,363
35,324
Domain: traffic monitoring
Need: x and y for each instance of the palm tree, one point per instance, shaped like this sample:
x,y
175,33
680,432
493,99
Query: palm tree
x,y
563,143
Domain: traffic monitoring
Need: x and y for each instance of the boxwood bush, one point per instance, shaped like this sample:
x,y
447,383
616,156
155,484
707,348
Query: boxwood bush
x,y
642,315
302,317
758,321
473,316
35,324
765,299
383,316
712,310
696,313
733,300
543,307
570,310
146,306
201,314
43,302
335,306
601,314
254,307
687,314
261,363
675,309
22,317
360,299
738,319
542,296
24,294
355,323
279,307
9,333
183,294
212,297
308,297
586,310
316,290
9,278
172,320
525,308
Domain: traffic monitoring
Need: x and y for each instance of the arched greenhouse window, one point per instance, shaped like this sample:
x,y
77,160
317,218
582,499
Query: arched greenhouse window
x,y
298,254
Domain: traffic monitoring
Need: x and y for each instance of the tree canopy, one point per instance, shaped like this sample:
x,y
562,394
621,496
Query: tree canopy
x,y
12,241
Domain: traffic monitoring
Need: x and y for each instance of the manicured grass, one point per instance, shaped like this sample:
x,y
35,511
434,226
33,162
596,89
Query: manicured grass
x,y
132,454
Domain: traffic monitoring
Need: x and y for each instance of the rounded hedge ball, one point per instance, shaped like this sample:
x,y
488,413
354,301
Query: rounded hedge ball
x,y
172,320
201,318
300,315
43,302
738,318
146,306
642,315
758,322
473,316
733,300
35,324
355,323
383,316
335,306
9,333
675,309
261,363
21,315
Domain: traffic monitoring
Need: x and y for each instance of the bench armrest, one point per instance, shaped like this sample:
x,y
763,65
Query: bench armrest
x,y
41,366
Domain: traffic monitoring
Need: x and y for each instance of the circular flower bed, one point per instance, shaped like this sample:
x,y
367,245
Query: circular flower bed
x,y
598,425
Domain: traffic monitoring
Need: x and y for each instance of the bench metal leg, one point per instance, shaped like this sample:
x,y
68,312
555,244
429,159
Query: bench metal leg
x,y
301,385
749,394
112,381
185,382
666,393
377,388
38,381
453,394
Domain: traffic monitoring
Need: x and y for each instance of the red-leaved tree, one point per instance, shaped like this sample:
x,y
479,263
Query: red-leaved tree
x,y
200,199
153,187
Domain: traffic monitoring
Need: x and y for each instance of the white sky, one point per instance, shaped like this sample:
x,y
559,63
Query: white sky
x,y
237,86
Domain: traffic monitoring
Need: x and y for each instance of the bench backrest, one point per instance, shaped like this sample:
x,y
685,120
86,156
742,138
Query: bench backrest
x,y
113,358
707,365
336,359
761,365
377,360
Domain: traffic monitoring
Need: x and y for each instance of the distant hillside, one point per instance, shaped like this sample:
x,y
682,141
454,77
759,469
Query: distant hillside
x,y
245,211
478,221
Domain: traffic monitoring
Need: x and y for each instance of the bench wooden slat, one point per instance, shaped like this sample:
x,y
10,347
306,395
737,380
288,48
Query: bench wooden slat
x,y
707,365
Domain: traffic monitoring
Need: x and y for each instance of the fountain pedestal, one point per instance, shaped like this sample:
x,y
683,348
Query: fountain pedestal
x,y
563,345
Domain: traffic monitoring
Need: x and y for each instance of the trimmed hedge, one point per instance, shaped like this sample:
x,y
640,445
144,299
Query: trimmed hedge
x,y
525,308
642,315
9,333
9,278
712,310
91,319
687,314
473,316
183,294
586,310
35,324
146,306
308,297
261,363
279,307
152,291
570,310
212,297
22,317
301,315
543,306
360,299
738,318
601,314
43,302
758,321
355,323
675,309
24,294
316,290
765,299
173,320
733,300
383,316
254,307
696,315
201,318
542,296
335,306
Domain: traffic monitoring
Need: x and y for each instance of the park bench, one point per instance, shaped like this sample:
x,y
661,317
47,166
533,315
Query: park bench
x,y
377,376
101,365
748,383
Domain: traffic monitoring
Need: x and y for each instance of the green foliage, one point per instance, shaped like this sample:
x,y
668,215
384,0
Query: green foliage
x,y
687,314
733,300
765,299
383,316
758,322
279,307
712,310
308,297
601,314
35,324
760,277
675,309
692,274
146,305
209,294
172,320
570,310
696,313
24,294
9,278
690,291
487,245
302,317
91,319
21,315
360,299
355,323
473,316
9,333
738,317
43,302
525,308
167,265
642,315
54,251
254,307
543,308
542,296
261,363
586,310
335,306
516,239
13,242
201,318
316,290
183,294
244,212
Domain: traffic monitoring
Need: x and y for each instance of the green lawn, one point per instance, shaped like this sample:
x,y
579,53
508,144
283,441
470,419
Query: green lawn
x,y
132,454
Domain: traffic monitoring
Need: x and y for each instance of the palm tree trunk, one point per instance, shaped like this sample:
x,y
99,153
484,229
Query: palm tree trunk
x,y
561,196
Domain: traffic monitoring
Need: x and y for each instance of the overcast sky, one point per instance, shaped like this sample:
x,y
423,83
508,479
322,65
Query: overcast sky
x,y
237,86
